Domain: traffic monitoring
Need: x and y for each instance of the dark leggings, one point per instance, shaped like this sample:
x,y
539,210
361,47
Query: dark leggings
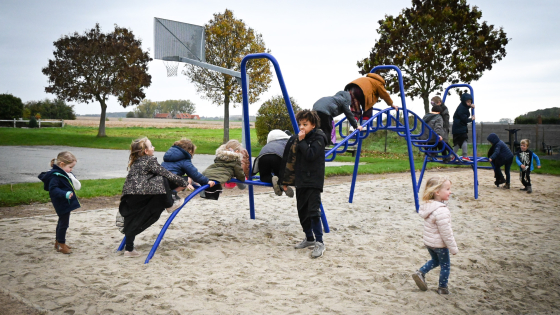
x,y
525,177
61,227
269,164
498,172
326,124
309,212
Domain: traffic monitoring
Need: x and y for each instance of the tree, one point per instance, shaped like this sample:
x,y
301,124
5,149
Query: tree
x,y
55,109
177,106
130,115
433,43
10,107
93,66
274,115
147,108
228,40
505,120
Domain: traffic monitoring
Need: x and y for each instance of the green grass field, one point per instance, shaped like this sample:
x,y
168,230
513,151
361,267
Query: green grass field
x,y
394,160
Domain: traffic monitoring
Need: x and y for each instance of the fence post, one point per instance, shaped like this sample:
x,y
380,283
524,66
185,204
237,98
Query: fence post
x,y
62,123
39,123
481,131
14,122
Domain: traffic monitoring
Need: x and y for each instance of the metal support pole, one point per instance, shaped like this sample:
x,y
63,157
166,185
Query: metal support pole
x,y
324,220
356,164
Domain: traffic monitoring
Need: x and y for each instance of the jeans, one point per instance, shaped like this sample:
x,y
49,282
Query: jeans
x,y
61,227
440,257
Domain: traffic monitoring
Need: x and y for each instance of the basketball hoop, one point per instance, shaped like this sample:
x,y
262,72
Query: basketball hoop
x,y
171,67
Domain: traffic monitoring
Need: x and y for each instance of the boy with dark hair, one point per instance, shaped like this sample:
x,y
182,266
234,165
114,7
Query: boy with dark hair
x,y
460,129
303,165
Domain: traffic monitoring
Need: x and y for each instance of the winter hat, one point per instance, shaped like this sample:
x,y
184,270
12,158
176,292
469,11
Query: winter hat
x,y
276,134
437,109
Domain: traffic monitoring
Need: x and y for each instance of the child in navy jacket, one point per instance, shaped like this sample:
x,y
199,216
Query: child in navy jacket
x,y
177,160
61,185
500,154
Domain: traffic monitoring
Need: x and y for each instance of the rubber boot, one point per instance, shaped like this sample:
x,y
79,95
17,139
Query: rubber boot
x,y
529,189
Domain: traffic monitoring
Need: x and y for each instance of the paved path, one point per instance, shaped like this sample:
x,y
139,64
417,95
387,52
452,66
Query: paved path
x,y
22,164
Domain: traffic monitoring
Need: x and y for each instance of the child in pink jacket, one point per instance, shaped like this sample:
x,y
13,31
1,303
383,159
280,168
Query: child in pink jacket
x,y
438,235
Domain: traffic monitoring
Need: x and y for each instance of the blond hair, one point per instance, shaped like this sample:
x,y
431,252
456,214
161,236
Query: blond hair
x,y
433,185
137,149
233,145
186,144
65,157
526,141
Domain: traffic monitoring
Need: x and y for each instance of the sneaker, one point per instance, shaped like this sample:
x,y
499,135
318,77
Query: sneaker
x,y
446,160
131,254
176,204
289,192
529,189
305,243
420,280
318,250
465,159
524,188
500,181
275,186
241,186
506,186
441,290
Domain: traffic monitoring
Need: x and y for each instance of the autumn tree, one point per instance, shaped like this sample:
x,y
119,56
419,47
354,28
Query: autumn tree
x,y
274,115
93,66
228,40
177,106
435,42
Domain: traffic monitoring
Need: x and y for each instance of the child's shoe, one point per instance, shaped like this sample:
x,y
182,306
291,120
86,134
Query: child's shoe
x,y
524,188
241,186
131,254
506,186
305,243
529,189
465,159
289,192
276,187
500,181
420,280
441,290
318,250
56,243
177,202
62,248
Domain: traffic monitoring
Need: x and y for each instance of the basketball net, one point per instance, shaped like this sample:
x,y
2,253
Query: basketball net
x,y
171,67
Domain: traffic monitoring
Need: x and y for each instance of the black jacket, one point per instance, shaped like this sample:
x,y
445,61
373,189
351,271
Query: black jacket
x,y
58,184
462,116
303,162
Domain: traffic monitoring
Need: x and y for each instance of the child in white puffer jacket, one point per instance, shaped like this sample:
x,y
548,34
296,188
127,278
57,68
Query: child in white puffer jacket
x,y
438,235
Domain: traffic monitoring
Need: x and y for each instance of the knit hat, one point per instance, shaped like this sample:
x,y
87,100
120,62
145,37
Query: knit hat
x,y
437,109
276,134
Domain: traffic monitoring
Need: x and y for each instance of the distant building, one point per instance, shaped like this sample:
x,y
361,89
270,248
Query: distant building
x,y
163,116
186,116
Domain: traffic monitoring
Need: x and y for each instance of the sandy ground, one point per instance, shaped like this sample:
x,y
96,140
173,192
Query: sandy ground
x,y
215,260
152,122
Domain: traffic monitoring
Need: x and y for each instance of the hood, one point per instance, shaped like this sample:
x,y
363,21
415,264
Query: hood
x,y
46,177
429,207
430,116
320,133
175,154
493,138
465,97
276,134
377,77
343,98
228,156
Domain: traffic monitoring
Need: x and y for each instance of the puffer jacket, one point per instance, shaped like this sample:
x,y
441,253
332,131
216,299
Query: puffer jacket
x,y
227,165
500,151
445,115
462,115
437,226
178,161
435,121
146,177
336,105
59,185
373,87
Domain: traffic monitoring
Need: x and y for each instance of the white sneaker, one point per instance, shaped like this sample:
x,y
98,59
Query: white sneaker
x,y
318,250
176,204
132,253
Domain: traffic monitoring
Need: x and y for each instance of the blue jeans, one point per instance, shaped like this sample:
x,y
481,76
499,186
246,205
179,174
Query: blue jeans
x,y
440,257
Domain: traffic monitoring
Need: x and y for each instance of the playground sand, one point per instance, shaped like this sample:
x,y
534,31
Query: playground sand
x,y
215,260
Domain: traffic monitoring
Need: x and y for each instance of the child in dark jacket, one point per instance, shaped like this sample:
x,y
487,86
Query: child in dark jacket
x,y
177,160
500,154
525,159
331,106
61,185
231,161
303,165
435,121
146,192
460,129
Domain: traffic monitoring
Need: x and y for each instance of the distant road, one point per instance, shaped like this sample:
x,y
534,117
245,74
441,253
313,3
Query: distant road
x,y
22,164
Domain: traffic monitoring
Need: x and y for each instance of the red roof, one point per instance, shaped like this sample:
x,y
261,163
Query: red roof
x,y
162,115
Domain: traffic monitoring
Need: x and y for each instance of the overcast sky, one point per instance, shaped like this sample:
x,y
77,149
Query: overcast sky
x,y
316,43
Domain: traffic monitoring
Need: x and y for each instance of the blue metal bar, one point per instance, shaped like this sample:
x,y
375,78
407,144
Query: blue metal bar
x,y
407,129
475,152
169,220
121,247
422,173
324,220
355,173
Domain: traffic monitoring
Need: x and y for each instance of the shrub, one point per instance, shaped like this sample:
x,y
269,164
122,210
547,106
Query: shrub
x,y
10,107
106,118
51,109
274,115
130,115
33,122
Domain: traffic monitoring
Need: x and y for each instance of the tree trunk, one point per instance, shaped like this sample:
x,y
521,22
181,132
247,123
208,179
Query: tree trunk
x,y
426,104
226,118
101,132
